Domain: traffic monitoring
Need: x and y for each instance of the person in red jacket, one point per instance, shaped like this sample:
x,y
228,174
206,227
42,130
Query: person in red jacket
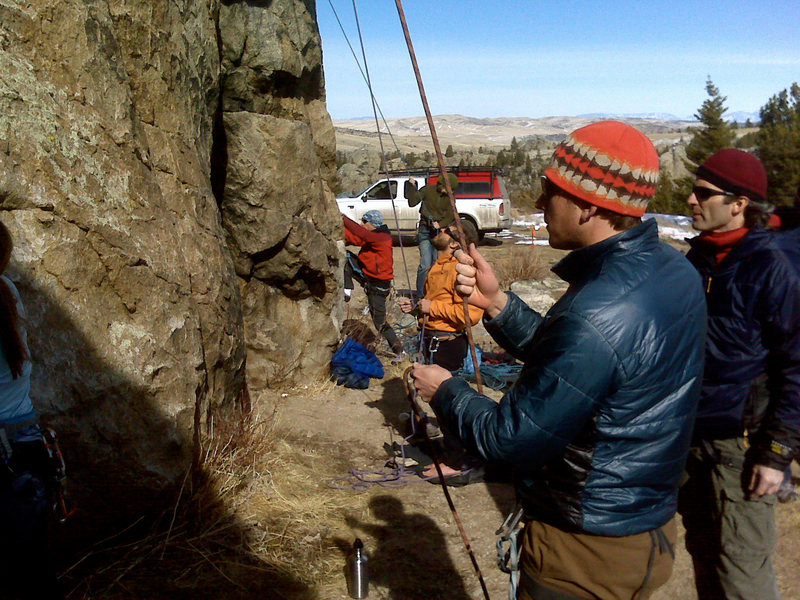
x,y
372,268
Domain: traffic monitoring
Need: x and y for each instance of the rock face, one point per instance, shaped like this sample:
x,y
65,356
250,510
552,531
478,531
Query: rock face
x,y
540,295
160,232
279,160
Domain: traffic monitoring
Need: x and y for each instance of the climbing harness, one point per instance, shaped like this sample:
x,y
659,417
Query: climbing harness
x,y
508,548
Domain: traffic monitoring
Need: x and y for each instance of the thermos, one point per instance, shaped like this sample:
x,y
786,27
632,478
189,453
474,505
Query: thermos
x,y
357,574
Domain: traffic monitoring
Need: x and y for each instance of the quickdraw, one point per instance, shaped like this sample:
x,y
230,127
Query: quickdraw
x,y
63,506
508,549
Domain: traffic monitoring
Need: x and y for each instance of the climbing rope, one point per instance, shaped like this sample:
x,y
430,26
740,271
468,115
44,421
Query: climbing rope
x,y
364,77
380,142
443,169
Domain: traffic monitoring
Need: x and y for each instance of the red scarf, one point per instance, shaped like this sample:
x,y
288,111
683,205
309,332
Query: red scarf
x,y
724,241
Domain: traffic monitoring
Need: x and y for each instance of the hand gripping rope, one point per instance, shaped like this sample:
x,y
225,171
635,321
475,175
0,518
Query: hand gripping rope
x,y
416,414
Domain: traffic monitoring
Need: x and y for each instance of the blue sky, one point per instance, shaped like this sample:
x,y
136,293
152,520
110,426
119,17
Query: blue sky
x,y
517,58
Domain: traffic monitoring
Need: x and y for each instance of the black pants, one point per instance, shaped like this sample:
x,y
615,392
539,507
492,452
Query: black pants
x,y
447,352
377,291
26,570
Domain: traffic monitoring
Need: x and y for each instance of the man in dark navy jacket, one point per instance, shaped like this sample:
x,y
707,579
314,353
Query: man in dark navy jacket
x,y
746,432
598,425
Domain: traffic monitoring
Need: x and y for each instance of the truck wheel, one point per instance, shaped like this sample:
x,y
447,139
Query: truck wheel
x,y
470,230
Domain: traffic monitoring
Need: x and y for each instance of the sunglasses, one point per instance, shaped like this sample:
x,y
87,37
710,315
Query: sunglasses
x,y
703,193
550,189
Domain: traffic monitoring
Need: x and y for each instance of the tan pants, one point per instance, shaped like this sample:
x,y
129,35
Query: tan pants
x,y
556,564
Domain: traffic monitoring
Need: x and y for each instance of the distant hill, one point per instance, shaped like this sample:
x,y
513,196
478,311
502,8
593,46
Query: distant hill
x,y
462,131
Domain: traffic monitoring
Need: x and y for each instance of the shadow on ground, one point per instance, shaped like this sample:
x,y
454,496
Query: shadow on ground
x,y
410,555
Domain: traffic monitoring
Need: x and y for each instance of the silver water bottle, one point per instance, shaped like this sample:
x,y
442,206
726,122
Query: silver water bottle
x,y
357,573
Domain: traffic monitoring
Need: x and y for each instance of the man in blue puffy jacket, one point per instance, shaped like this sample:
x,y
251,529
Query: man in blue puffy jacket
x,y
746,432
598,425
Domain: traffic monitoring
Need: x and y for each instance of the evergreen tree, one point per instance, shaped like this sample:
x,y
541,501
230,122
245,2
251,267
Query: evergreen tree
x,y
715,134
449,152
668,198
778,144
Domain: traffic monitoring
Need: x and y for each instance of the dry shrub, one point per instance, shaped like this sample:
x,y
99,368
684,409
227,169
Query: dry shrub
x,y
523,263
253,522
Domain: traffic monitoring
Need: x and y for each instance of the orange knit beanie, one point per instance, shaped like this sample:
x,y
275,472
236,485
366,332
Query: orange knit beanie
x,y
608,164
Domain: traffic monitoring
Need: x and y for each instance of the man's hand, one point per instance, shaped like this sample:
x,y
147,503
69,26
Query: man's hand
x,y
424,306
764,480
428,378
435,224
477,282
405,305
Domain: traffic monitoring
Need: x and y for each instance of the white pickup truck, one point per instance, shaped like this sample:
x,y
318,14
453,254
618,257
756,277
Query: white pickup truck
x,y
481,200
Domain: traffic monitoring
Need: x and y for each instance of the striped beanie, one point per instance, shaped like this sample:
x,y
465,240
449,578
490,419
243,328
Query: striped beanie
x,y
609,164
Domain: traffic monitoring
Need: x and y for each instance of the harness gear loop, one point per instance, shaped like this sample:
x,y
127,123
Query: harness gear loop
x,y
411,394
508,548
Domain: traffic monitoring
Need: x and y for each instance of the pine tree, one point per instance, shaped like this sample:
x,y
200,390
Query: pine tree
x,y
778,144
715,134
449,152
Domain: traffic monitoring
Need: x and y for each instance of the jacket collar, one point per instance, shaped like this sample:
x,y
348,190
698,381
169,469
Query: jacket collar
x,y
755,238
586,261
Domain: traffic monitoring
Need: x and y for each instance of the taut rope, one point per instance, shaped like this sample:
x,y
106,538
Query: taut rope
x,y
446,179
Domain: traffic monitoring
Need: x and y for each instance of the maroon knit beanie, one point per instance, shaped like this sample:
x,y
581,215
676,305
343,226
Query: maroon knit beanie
x,y
737,172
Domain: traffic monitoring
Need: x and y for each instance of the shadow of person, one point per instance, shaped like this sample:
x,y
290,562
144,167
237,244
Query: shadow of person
x,y
392,402
409,555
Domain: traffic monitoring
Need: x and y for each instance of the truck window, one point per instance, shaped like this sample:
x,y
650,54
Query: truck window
x,y
478,189
382,191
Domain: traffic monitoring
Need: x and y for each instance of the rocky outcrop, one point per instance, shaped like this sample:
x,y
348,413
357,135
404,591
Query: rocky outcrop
x,y
540,295
157,226
277,207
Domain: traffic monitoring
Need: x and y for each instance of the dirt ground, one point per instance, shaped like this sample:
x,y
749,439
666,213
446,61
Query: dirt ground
x,y
414,546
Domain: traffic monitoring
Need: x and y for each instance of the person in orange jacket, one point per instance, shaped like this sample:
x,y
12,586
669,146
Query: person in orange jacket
x,y
444,338
373,269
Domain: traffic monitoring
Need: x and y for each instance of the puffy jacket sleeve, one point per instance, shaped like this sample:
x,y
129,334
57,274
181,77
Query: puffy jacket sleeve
x,y
515,327
453,312
353,232
778,437
411,193
568,371
358,235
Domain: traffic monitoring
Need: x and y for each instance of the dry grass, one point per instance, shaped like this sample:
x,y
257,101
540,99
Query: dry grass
x,y
255,522
521,264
